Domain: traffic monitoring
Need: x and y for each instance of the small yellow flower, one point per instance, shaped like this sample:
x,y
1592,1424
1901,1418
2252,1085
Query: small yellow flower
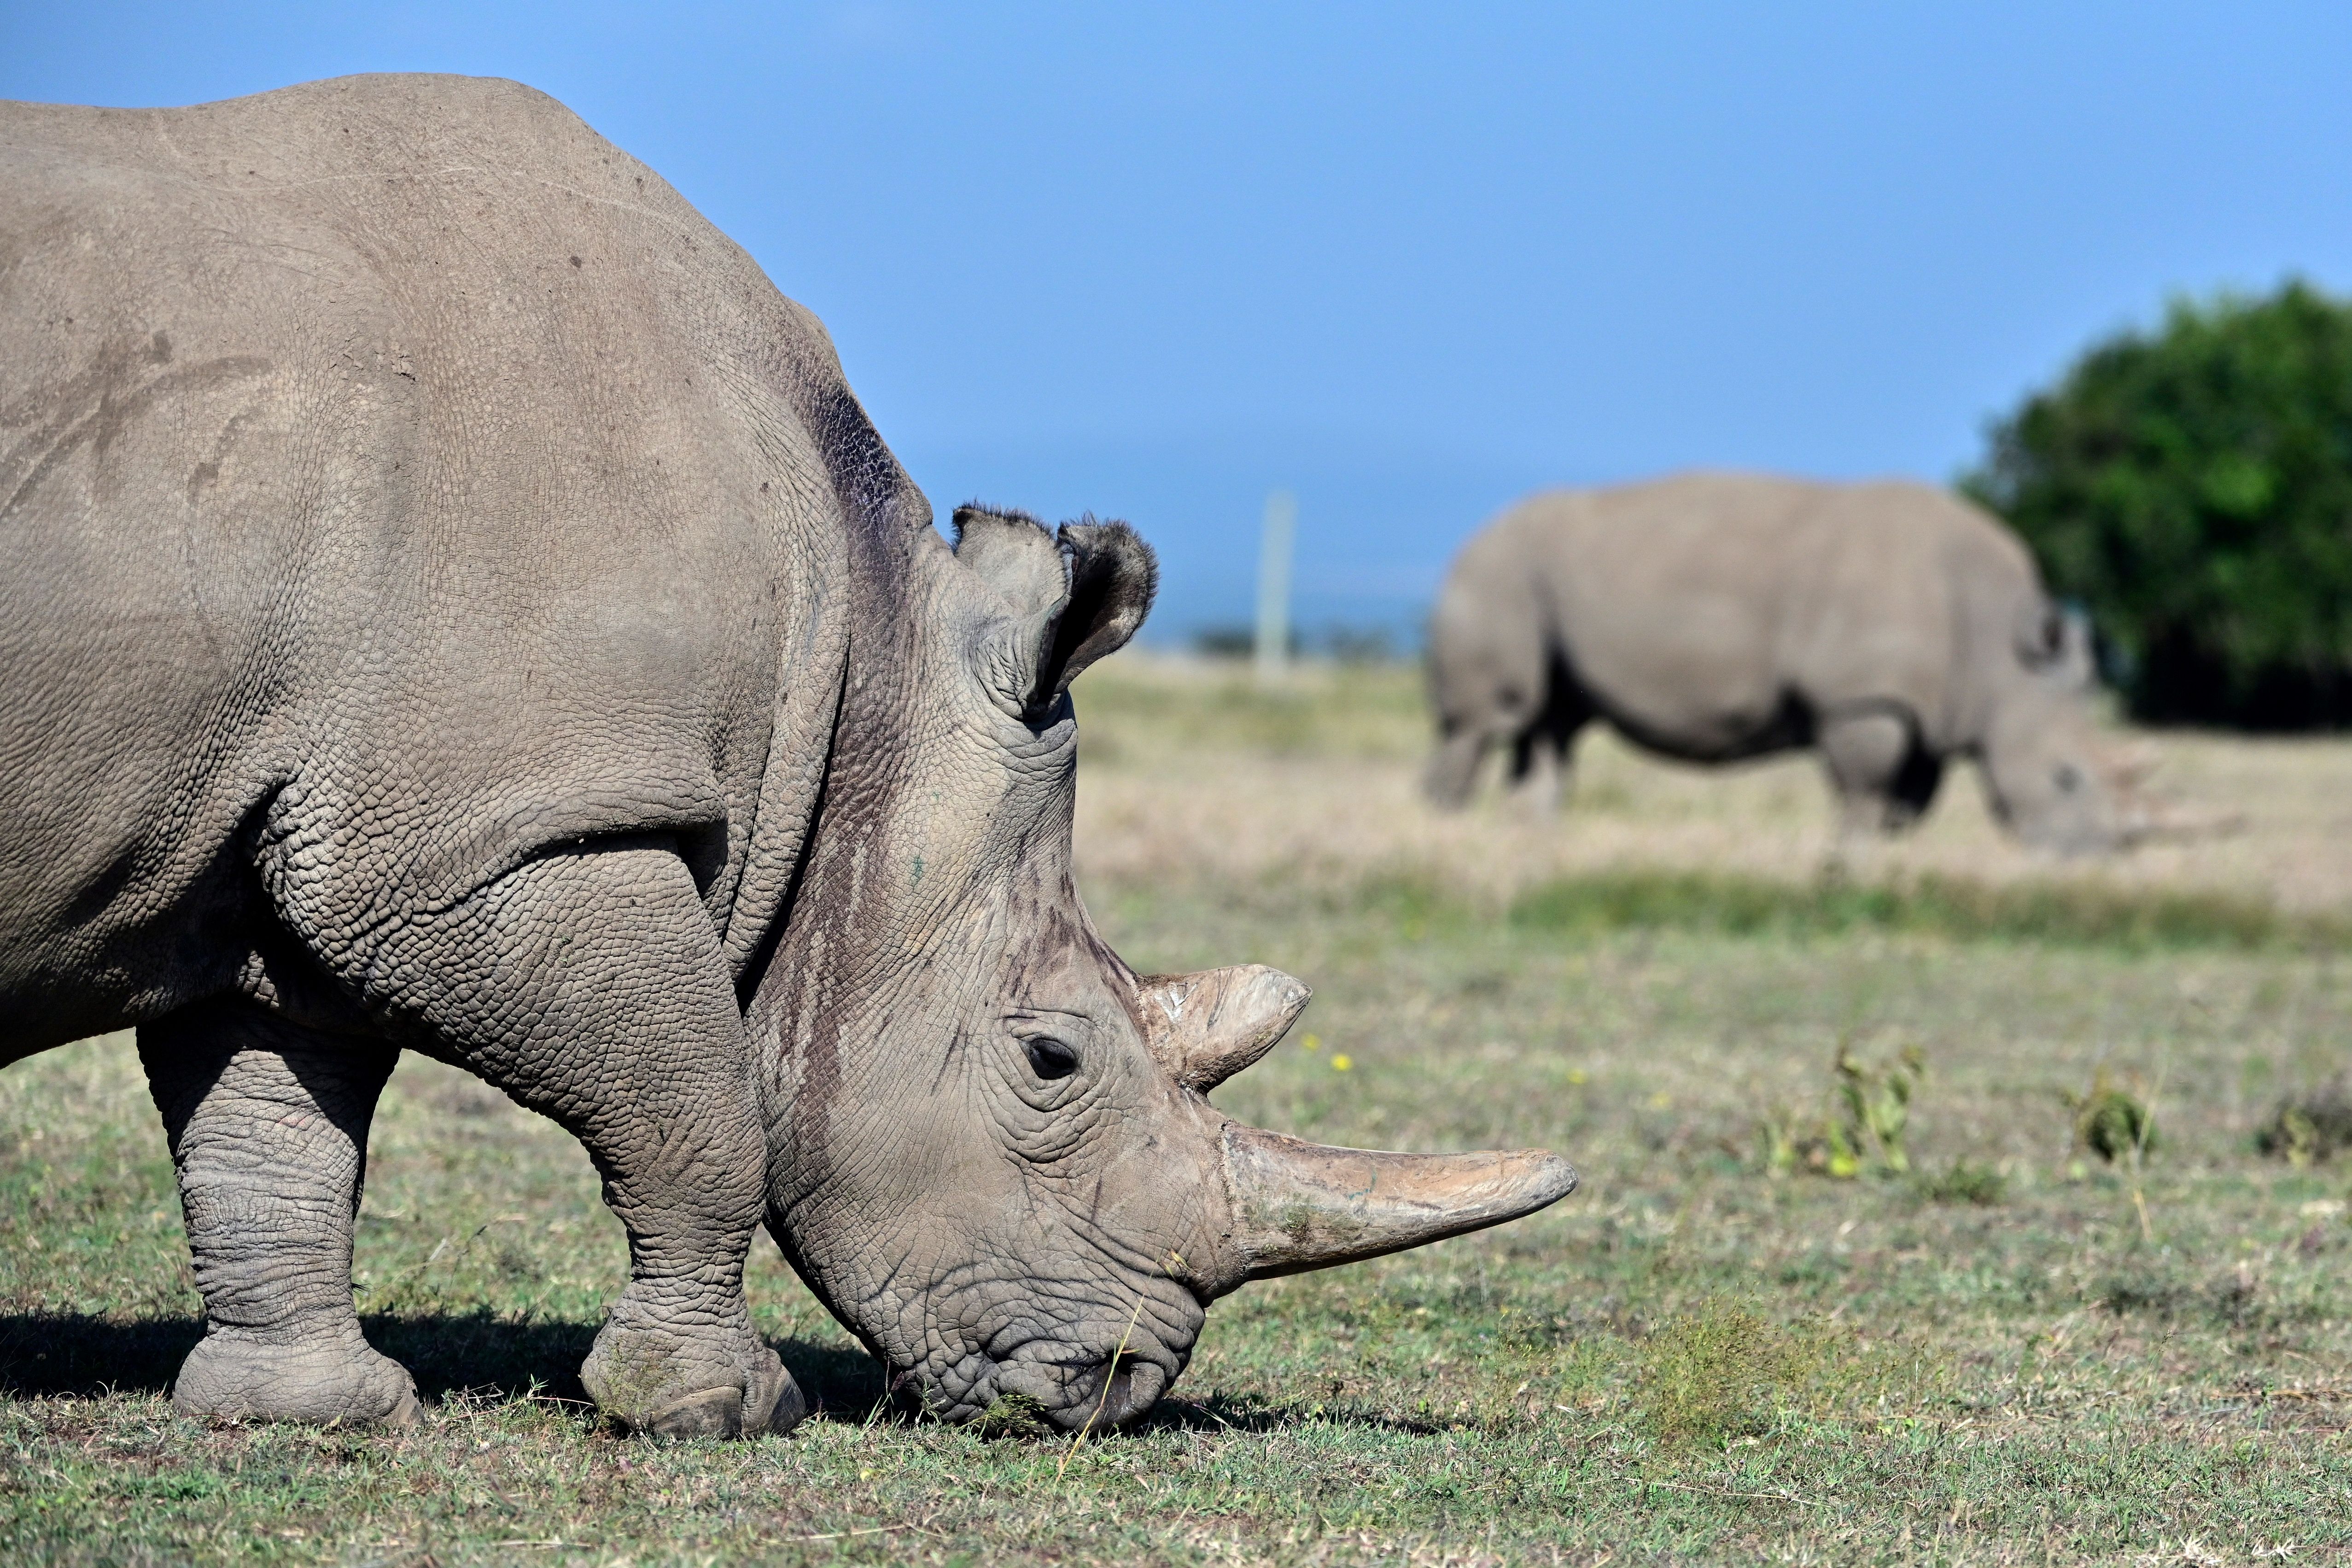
x,y
1577,1075
1341,1062
1661,1100
1313,1042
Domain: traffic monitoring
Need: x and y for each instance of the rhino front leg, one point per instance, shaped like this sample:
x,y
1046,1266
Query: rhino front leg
x,y
1885,776
590,986
268,1129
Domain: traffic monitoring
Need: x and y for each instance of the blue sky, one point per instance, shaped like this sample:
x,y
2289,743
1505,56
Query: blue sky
x,y
1408,262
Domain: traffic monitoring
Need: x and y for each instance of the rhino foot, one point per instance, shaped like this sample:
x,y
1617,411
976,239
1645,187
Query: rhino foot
x,y
666,1385
231,1377
719,1412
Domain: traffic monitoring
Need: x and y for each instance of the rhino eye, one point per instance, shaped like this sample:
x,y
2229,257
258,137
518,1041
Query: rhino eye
x,y
2067,778
1050,1059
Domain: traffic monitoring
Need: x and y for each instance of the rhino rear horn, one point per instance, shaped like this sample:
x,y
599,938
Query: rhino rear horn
x,y
2153,821
1204,1028
1299,1206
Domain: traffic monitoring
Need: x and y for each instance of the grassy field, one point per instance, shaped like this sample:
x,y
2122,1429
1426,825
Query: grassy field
x,y
1200,776
2013,1351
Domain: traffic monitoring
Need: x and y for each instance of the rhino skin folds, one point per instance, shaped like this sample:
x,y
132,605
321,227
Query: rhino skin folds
x,y
449,601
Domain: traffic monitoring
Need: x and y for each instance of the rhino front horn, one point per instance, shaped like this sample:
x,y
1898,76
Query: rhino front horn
x,y
1299,1206
1204,1028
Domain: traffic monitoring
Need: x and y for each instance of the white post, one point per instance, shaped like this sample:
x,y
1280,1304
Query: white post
x,y
1274,586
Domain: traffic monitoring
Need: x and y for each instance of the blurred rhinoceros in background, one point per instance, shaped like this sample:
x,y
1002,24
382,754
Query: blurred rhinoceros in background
x,y
450,599
1712,617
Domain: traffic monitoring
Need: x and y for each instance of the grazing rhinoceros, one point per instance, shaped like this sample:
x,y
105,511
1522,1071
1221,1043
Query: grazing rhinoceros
x,y
451,600
1718,616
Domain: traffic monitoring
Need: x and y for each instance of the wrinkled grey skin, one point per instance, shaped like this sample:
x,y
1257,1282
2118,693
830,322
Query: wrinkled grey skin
x,y
449,601
1712,617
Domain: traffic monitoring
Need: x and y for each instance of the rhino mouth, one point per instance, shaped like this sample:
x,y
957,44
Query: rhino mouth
x,y
1075,1389
1125,1386
1068,1388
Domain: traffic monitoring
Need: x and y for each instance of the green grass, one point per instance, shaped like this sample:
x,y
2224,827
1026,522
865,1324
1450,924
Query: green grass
x,y
1686,1359
2064,914
2074,913
1984,1359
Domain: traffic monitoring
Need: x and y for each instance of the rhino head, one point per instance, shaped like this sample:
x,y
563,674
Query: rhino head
x,y
2051,780
992,1155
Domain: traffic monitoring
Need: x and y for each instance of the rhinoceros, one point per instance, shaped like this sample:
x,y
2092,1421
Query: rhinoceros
x,y
1712,617
451,602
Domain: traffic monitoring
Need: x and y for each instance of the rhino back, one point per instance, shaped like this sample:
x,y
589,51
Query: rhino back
x,y
394,478
1919,601
1713,615
1667,600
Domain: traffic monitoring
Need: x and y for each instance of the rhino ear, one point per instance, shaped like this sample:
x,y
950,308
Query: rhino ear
x,y
1113,578
2037,634
2054,641
1070,597
1025,576
1012,554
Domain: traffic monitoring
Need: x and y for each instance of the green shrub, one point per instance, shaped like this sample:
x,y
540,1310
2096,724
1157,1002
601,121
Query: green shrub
x,y
2112,1122
1965,1181
1877,1103
2193,488
1863,1128
2308,1128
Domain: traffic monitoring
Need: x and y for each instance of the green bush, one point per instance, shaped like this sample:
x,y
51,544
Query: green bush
x,y
2193,488
2310,1127
1965,1181
2112,1122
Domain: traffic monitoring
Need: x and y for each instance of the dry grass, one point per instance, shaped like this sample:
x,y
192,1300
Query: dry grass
x,y
1194,772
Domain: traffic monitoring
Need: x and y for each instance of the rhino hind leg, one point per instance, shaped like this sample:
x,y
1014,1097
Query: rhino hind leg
x,y
268,1125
